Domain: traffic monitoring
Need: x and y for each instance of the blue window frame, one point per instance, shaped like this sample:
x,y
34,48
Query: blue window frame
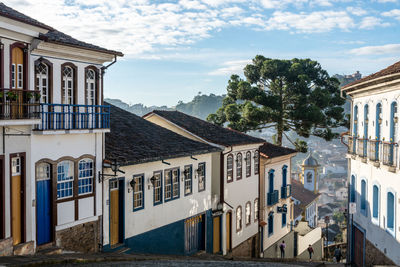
x,y
138,192
271,175
393,112
201,172
390,212
157,188
271,224
364,197
375,201
65,179
188,179
283,219
85,176
353,189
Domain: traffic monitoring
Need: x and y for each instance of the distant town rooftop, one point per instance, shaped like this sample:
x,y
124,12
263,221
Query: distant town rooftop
x,y
205,130
52,35
269,150
301,194
134,140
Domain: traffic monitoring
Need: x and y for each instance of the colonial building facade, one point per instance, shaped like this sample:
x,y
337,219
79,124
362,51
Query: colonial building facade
x,y
373,168
52,124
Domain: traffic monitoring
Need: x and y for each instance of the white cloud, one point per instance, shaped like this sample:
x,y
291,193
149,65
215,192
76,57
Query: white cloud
x,y
394,13
377,50
372,22
231,67
357,11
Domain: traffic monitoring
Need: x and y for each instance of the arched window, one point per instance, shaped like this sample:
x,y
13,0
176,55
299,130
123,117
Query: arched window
x,y
65,179
270,223
256,209
366,113
248,213
43,172
378,122
375,202
393,122
229,168
42,81
239,163
390,212
85,177
353,189
256,162
271,175
355,121
90,87
309,177
248,164
284,176
239,218
68,85
363,197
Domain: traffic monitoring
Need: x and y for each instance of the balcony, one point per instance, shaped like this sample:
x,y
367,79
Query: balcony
x,y
19,104
362,145
352,145
373,150
389,154
272,198
73,117
286,191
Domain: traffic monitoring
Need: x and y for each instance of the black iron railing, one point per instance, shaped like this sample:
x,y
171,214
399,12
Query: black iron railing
x,y
16,104
272,198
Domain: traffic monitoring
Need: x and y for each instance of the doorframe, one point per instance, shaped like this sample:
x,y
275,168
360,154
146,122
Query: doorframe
x,y
362,230
52,206
230,232
24,48
119,179
2,197
220,234
22,155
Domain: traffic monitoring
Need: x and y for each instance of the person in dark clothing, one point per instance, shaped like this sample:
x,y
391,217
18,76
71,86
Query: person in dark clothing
x,y
338,254
310,251
282,247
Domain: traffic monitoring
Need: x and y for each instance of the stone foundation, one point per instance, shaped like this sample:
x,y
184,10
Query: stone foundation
x,y
374,256
247,249
81,238
22,249
6,247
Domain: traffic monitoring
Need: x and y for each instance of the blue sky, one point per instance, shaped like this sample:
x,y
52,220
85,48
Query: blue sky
x,y
175,49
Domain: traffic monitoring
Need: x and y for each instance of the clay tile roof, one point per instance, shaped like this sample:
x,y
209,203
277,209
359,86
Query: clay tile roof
x,y
208,131
301,194
52,35
272,151
134,140
392,69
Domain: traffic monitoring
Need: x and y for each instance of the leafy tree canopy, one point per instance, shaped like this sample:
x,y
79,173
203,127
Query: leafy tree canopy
x,y
295,95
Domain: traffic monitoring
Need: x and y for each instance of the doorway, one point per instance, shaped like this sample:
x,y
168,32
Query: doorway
x,y
44,227
17,198
116,211
217,234
229,231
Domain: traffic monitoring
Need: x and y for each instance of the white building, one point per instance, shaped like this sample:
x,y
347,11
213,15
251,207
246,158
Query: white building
x,y
307,201
235,192
52,125
309,175
162,202
374,167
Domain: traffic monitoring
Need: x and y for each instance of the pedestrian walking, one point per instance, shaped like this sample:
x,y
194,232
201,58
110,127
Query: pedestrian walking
x,y
337,254
310,251
282,247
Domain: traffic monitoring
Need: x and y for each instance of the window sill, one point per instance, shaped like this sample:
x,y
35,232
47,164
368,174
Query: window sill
x,y
138,209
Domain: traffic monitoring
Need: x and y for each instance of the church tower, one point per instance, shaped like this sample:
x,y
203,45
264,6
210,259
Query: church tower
x,y
309,173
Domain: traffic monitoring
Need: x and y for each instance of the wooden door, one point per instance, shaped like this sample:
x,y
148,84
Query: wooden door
x,y
194,234
17,81
358,247
114,212
216,234
229,231
16,200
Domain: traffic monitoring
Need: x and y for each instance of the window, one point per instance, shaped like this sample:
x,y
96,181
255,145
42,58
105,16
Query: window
x,y
239,218
239,166
256,209
90,87
13,76
85,178
138,192
188,175
363,196
375,202
271,181
309,177
65,179
201,172
248,213
270,223
283,219
68,85
157,188
175,183
171,184
390,212
353,189
168,185
393,125
20,76
43,172
378,121
355,121
42,80
16,166
256,162
248,164
284,175
366,121
229,168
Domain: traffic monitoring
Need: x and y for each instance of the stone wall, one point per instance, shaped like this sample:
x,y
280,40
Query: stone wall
x,y
81,238
6,247
374,256
248,249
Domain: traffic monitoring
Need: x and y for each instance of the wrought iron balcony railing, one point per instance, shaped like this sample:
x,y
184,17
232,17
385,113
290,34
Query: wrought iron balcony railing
x,y
362,145
352,145
374,149
389,154
286,191
17,104
272,198
70,117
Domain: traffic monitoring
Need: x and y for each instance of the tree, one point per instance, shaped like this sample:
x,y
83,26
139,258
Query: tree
x,y
288,95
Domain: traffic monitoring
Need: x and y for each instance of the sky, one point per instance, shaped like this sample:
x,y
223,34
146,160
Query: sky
x,y
175,49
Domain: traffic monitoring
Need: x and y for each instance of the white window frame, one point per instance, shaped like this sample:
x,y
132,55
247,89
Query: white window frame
x,y
20,76
188,179
202,176
90,87
86,175
248,213
239,222
157,190
43,87
43,171
13,82
16,166
138,192
69,178
175,183
68,91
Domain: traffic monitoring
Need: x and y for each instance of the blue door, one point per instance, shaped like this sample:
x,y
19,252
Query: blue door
x,y
43,207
